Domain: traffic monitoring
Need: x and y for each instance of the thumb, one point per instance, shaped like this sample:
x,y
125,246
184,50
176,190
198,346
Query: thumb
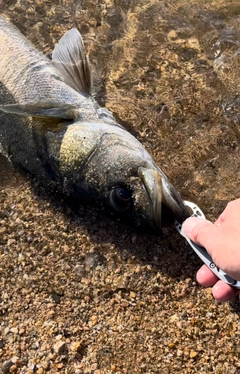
x,y
202,232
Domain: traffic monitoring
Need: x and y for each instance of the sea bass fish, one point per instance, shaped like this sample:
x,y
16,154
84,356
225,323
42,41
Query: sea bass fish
x,y
52,127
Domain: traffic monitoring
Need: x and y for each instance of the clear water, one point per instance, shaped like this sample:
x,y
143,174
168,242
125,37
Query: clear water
x,y
169,72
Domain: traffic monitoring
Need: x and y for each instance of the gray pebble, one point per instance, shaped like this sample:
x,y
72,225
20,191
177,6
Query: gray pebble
x,y
6,366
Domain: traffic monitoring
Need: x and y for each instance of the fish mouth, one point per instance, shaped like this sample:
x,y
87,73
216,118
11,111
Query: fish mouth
x,y
162,196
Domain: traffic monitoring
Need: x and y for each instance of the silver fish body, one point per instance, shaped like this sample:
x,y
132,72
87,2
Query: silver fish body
x,y
52,127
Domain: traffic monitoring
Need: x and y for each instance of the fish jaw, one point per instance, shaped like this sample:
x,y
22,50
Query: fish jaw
x,y
152,183
161,193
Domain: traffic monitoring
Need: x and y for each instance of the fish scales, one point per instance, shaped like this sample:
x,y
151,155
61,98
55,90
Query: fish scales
x,y
22,66
52,127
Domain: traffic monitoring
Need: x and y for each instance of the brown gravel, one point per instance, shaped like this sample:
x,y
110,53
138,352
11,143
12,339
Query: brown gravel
x,y
81,293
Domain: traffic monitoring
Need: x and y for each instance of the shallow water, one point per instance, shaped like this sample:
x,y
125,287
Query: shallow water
x,y
170,73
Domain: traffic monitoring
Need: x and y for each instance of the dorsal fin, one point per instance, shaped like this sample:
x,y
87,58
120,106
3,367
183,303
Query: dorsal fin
x,y
70,58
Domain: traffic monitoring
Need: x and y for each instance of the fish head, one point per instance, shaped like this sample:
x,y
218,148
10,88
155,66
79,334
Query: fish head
x,y
112,167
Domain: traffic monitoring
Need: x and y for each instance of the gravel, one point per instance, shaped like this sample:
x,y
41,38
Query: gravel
x,y
77,296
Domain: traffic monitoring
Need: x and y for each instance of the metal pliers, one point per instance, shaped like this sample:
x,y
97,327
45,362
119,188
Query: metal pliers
x,y
201,251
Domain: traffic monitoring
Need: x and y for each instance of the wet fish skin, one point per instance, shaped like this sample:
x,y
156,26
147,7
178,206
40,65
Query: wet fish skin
x,y
51,127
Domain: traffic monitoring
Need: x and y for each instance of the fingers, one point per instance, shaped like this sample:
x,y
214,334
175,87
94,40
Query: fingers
x,y
208,235
221,291
201,232
206,277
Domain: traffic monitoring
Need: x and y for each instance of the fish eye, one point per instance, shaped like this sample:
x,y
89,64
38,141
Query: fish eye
x,y
120,198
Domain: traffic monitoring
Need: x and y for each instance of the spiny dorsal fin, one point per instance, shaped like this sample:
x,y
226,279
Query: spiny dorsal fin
x,y
70,58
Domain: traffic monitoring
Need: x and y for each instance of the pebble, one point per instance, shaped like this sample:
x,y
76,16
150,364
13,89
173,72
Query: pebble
x,y
93,321
13,369
2,230
6,366
172,35
179,352
76,346
35,345
193,354
40,371
2,343
45,364
14,330
174,318
94,259
10,242
79,270
15,359
60,347
132,295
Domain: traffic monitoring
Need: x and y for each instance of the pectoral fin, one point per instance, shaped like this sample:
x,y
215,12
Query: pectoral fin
x,y
41,109
70,58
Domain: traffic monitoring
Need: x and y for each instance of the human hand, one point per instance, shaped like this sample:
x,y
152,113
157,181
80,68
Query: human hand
x,y
222,241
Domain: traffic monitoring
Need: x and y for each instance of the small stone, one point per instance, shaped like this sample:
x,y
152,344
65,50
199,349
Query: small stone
x,y
45,364
15,359
172,35
193,354
184,316
2,230
40,371
76,346
179,325
134,239
171,345
65,248
58,337
56,297
94,366
173,318
10,242
6,366
35,345
44,347
93,321
2,343
60,347
94,259
208,291
193,43
14,330
60,365
79,270
179,353
13,369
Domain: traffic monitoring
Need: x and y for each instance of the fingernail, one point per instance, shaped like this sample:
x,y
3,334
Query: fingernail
x,y
188,225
